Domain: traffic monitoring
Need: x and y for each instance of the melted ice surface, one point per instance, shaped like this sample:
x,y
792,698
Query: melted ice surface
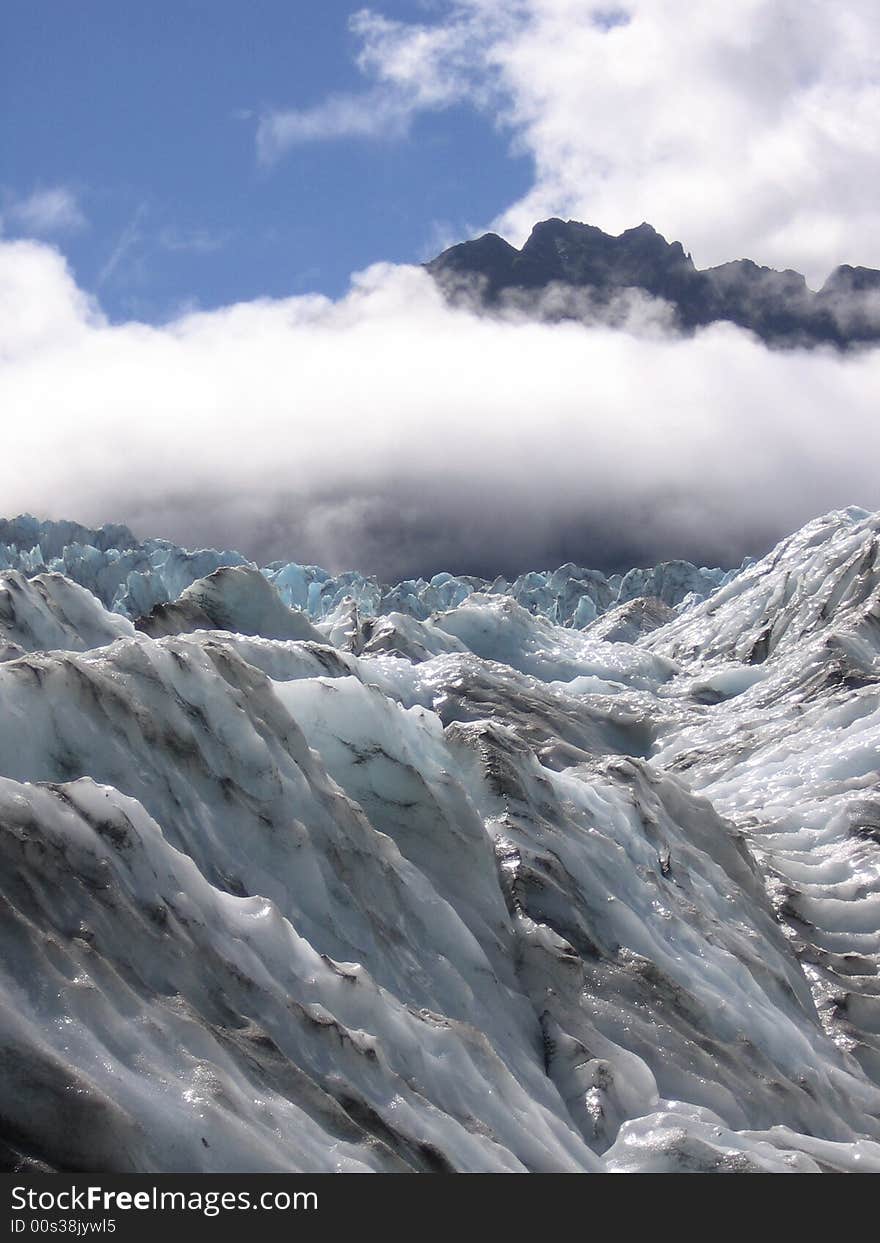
x,y
303,873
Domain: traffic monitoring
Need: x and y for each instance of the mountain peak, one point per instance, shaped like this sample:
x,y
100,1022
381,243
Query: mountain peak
x,y
776,305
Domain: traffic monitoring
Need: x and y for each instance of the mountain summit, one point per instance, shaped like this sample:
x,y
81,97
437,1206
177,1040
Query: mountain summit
x,y
566,269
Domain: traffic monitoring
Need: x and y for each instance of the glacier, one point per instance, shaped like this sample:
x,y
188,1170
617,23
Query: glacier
x,y
305,872
131,577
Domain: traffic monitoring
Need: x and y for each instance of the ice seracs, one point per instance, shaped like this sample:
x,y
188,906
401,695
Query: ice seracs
x,y
131,577
49,611
235,598
305,873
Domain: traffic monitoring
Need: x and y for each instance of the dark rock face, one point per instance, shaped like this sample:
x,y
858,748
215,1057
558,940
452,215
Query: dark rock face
x,y
565,258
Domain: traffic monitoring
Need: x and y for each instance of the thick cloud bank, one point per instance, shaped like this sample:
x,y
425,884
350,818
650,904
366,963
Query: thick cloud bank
x,y
391,433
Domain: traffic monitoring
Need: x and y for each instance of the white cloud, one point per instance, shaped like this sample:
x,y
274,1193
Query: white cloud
x,y
44,212
414,68
389,432
746,127
41,307
434,65
374,114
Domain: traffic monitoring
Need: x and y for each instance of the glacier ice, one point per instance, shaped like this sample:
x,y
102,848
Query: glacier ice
x,y
131,577
572,873
49,611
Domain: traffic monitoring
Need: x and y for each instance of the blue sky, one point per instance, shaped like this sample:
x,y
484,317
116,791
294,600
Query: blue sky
x,y
147,116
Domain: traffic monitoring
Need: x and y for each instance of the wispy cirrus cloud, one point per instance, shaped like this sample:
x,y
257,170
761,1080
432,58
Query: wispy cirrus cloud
x,y
43,213
374,114
408,69
128,242
140,242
